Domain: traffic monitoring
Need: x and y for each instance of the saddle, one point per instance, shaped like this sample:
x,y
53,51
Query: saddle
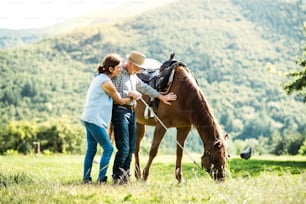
x,y
160,79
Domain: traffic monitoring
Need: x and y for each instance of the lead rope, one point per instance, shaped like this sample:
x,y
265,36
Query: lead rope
x,y
164,126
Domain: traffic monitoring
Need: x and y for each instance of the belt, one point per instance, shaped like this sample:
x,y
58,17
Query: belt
x,y
125,106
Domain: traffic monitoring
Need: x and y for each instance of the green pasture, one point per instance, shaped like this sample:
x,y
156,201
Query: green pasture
x,y
57,179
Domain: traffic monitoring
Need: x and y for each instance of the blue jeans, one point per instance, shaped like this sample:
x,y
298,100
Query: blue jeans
x,y
124,122
95,135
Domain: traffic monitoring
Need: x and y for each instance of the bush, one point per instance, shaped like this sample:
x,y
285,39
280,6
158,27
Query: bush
x,y
18,135
57,136
302,150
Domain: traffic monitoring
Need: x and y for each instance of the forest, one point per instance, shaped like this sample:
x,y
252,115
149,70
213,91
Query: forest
x,y
239,52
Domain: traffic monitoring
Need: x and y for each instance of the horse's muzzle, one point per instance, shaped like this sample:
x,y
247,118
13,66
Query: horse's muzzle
x,y
217,174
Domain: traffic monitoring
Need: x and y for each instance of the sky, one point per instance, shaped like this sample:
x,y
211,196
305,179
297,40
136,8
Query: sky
x,y
24,14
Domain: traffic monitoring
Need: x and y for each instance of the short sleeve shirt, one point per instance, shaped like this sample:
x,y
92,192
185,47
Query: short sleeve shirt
x,y
98,106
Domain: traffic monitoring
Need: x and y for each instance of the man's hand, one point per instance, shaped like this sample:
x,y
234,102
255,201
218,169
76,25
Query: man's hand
x,y
167,98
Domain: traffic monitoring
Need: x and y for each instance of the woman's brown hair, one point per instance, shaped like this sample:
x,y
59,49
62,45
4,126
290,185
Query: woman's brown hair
x,y
110,60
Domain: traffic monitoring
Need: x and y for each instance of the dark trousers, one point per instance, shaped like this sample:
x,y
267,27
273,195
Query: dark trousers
x,y
124,122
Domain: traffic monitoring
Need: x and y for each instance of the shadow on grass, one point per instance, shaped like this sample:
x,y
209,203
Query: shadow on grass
x,y
253,167
241,168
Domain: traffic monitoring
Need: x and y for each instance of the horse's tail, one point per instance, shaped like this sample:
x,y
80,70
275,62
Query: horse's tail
x,y
111,133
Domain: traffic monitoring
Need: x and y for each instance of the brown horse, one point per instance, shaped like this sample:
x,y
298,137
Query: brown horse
x,y
190,108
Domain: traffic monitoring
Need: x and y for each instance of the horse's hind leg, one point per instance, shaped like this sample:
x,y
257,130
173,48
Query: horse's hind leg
x,y
140,130
181,136
158,136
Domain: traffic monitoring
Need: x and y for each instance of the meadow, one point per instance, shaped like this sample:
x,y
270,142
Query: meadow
x,y
57,179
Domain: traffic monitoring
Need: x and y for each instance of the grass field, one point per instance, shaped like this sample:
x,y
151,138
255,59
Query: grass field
x,y
57,179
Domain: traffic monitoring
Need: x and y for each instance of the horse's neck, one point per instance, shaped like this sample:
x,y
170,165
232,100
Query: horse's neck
x,y
202,116
208,134
205,122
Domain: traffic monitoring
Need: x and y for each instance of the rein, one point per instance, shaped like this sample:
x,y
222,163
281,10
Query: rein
x,y
164,126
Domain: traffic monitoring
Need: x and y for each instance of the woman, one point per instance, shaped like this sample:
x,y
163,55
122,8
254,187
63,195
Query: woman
x,y
97,114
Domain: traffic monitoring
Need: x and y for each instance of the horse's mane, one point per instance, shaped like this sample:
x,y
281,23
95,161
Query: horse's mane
x,y
191,97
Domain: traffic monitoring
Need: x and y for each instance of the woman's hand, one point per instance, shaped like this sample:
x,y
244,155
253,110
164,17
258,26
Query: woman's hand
x,y
135,95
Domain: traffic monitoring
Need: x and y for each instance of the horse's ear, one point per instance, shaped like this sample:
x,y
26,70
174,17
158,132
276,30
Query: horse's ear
x,y
226,137
172,56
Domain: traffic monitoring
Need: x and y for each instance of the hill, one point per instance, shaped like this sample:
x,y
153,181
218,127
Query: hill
x,y
227,44
10,38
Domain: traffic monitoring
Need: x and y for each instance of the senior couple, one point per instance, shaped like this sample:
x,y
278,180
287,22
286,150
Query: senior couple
x,y
111,97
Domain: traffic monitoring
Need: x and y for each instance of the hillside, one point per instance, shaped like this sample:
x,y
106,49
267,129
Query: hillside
x,y
10,38
227,44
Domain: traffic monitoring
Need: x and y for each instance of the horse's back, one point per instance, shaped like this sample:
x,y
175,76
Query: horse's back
x,y
171,115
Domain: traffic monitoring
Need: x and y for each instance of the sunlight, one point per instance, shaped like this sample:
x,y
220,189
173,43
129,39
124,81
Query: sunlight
x,y
23,14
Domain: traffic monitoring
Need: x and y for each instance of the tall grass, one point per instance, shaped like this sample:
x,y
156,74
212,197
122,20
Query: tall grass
x,y
57,179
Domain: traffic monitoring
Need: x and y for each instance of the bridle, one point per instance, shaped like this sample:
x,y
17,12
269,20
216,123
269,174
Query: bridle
x,y
207,153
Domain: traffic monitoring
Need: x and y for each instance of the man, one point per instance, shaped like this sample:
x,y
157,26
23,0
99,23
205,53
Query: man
x,y
123,116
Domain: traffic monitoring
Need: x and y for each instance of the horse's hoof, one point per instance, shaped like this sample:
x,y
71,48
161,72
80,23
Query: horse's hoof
x,y
138,176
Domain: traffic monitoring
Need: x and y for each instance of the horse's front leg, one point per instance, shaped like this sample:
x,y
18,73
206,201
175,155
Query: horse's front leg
x,y
159,133
139,135
181,136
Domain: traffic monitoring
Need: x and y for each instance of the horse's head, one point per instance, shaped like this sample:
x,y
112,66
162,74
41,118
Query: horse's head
x,y
214,159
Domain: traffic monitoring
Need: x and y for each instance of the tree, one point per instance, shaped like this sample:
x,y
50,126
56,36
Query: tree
x,y
18,135
29,89
299,83
302,150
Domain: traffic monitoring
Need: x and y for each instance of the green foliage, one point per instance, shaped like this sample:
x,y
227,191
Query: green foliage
x,y
29,89
61,136
18,136
289,143
298,84
226,45
302,150
10,152
260,146
58,136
